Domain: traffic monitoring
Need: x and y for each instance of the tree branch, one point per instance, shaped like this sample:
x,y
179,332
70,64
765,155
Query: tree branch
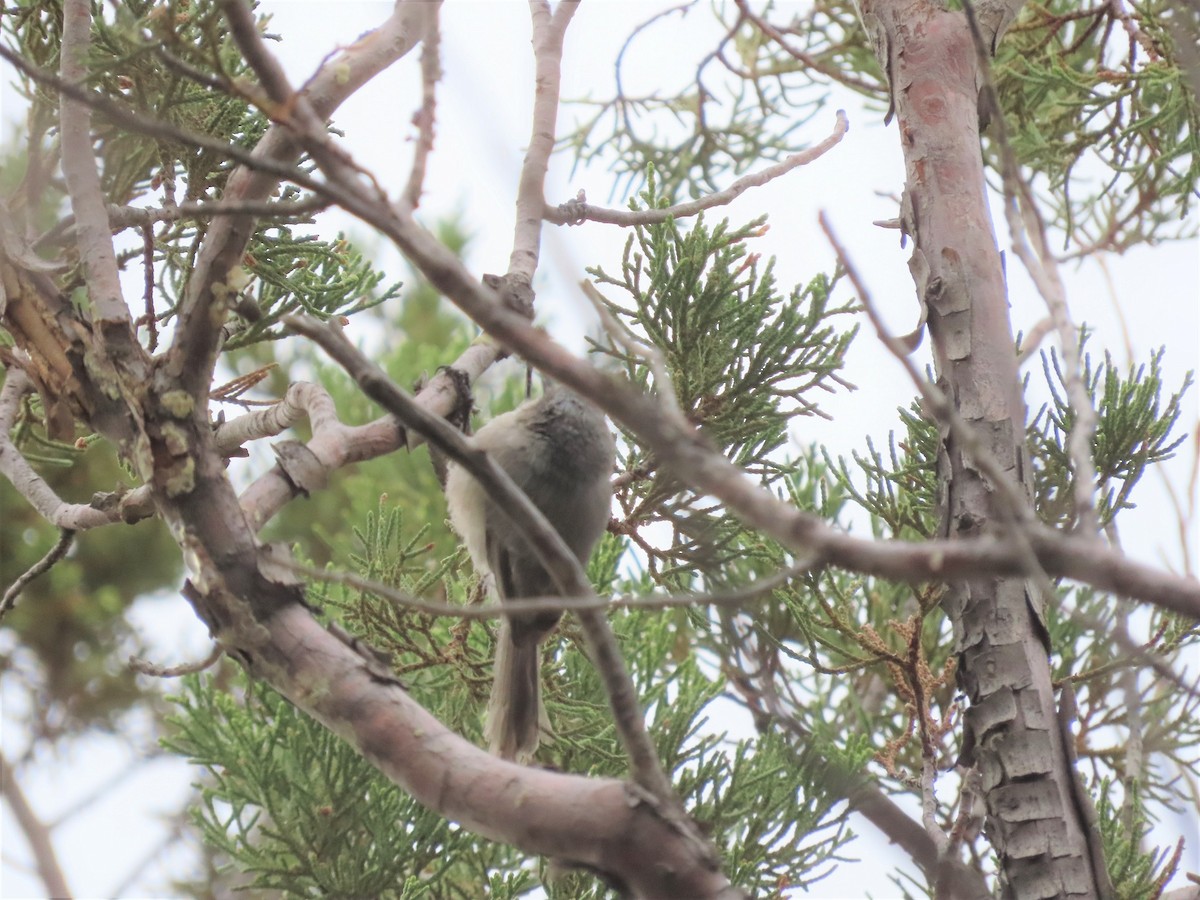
x,y
576,212
677,444
120,217
66,537
425,118
93,234
27,482
733,599
1043,270
548,33
537,810
36,834
226,239
566,571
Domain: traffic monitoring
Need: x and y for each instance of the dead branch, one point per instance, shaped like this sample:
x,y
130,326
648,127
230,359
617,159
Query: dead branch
x,y
576,212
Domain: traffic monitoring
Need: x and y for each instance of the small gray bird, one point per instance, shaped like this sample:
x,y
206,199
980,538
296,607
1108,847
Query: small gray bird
x,y
558,450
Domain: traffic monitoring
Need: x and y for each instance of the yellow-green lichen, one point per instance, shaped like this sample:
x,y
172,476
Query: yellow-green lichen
x,y
183,480
177,404
175,438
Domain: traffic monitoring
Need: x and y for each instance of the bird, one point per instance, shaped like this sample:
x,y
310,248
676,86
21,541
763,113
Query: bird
x,y
559,451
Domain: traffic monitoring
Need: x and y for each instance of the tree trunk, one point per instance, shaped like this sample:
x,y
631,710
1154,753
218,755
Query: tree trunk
x,y
1035,818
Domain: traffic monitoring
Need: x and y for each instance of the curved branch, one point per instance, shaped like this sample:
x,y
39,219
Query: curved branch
x,y
576,212
66,537
600,823
28,483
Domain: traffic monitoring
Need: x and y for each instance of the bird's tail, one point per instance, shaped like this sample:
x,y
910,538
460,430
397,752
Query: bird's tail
x,y
515,716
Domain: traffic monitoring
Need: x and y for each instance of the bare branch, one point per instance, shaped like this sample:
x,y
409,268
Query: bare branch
x,y
551,550
538,810
302,399
42,566
36,834
28,483
145,667
548,33
334,444
425,118
679,446
93,234
148,316
575,212
735,599
120,217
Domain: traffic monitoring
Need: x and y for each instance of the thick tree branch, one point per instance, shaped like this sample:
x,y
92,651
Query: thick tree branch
x,y
600,823
1036,820
93,234
1025,221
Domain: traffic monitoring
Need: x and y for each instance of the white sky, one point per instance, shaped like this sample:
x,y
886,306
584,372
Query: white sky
x,y
483,113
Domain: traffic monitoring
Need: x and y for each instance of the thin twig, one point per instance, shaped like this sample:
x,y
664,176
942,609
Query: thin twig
x,y
148,289
621,334
734,599
836,73
575,212
120,217
66,537
426,117
158,128
154,670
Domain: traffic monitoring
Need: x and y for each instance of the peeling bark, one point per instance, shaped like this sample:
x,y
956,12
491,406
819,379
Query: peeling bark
x,y
1012,734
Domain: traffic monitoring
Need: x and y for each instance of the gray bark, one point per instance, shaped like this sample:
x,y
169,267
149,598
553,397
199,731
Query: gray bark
x,y
1036,820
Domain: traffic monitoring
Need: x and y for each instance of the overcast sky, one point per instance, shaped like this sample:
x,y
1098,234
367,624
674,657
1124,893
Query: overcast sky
x,y
482,130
